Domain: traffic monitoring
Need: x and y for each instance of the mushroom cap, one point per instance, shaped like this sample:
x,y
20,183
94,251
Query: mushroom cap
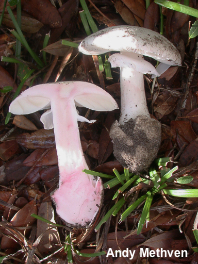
x,y
131,39
84,94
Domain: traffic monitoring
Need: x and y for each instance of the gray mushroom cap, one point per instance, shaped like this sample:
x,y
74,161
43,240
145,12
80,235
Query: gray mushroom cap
x,y
131,39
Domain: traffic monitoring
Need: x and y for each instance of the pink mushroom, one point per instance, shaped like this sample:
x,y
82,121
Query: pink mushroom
x,y
79,195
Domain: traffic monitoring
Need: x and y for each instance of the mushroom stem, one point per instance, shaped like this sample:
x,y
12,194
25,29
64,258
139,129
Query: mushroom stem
x,y
78,196
68,145
133,100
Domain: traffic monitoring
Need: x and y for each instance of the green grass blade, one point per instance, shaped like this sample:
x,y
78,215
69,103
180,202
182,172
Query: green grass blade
x,y
101,66
45,43
109,213
161,21
132,207
69,249
117,174
85,22
145,213
118,208
154,176
113,182
147,3
3,11
98,174
45,220
23,40
186,2
69,43
184,179
107,67
18,43
163,161
90,20
168,174
91,255
163,171
183,193
195,232
195,249
6,89
194,30
10,60
126,173
125,186
178,7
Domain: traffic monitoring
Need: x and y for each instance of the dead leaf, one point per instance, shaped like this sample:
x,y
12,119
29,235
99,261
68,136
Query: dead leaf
x,y
118,240
126,14
6,79
108,167
137,7
181,141
183,128
33,177
50,158
50,240
68,12
162,219
23,216
114,89
105,142
57,48
93,149
42,138
50,176
168,75
4,196
28,24
164,104
8,149
193,115
14,170
152,17
24,123
163,240
21,202
189,154
44,11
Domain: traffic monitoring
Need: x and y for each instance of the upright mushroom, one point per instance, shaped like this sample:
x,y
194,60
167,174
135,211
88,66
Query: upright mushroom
x,y
137,136
79,195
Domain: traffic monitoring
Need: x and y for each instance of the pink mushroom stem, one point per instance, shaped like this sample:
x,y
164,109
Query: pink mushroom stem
x,y
68,145
79,195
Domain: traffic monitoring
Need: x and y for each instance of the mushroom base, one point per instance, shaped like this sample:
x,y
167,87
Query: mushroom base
x,y
137,142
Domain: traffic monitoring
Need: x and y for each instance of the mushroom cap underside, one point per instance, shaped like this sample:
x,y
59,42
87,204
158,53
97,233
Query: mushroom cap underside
x,y
84,94
131,39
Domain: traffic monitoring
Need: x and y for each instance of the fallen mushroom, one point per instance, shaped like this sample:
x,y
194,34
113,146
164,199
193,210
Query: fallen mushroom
x,y
79,195
137,136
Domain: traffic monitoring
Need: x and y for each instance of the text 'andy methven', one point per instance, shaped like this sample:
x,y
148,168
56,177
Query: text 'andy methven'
x,y
147,253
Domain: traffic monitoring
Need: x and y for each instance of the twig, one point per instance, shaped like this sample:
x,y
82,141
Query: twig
x,y
190,78
47,76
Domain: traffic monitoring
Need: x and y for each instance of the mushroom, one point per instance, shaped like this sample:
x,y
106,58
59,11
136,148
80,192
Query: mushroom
x,y
79,195
136,136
